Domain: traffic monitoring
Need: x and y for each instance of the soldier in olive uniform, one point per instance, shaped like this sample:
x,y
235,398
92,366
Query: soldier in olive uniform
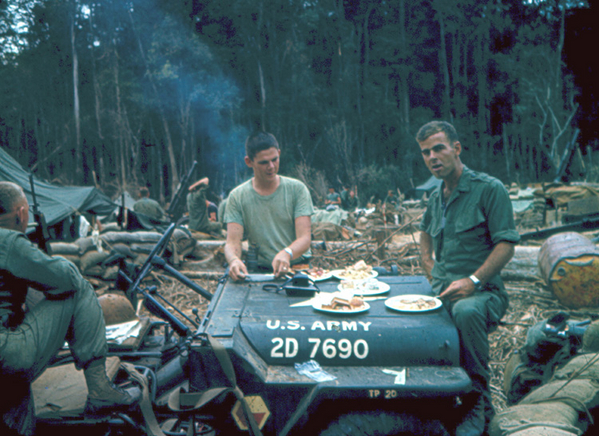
x,y
469,227
30,338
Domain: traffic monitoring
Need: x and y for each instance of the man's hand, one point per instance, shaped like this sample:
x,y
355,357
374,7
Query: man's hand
x,y
281,264
457,290
237,270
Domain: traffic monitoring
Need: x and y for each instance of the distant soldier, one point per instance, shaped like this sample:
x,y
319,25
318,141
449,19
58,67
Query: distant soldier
x,y
333,200
148,211
200,219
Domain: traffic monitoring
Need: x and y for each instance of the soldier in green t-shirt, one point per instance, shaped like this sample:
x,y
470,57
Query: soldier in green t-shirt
x,y
272,211
467,237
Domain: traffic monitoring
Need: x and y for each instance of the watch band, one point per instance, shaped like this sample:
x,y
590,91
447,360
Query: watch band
x,y
289,251
476,281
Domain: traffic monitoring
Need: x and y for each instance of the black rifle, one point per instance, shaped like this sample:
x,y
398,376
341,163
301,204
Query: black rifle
x,y
40,235
175,210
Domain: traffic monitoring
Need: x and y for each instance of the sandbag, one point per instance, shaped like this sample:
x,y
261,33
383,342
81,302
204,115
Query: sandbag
x,y
91,259
517,419
130,237
541,430
85,244
578,393
575,366
62,248
123,249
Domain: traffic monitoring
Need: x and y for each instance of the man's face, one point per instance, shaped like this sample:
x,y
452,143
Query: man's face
x,y
439,156
265,164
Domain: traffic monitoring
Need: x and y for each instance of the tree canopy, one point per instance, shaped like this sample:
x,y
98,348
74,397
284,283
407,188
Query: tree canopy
x,y
128,92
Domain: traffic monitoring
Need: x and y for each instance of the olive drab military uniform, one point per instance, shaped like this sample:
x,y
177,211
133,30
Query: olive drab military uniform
x,y
198,212
70,311
149,213
464,230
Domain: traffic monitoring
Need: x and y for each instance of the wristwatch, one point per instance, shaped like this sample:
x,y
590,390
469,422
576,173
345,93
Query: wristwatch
x,y
288,251
477,284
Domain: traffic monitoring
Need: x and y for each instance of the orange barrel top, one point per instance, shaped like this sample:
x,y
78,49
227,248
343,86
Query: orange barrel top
x,y
569,264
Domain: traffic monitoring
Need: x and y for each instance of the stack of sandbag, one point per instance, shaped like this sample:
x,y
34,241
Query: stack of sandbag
x,y
560,407
92,255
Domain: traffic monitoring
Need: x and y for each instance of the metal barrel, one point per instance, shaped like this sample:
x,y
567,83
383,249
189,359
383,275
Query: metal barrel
x,y
569,264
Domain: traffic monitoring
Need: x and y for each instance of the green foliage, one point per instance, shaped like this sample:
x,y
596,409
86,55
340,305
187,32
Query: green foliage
x,y
343,85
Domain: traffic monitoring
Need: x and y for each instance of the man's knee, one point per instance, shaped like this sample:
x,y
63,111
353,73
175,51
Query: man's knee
x,y
467,313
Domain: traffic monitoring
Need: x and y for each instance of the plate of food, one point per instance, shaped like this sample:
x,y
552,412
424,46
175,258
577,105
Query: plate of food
x,y
342,305
369,286
318,274
356,272
413,303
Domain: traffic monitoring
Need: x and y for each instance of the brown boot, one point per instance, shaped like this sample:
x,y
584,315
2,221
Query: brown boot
x,y
103,394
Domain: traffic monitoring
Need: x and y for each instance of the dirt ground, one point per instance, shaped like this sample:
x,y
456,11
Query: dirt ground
x,y
530,301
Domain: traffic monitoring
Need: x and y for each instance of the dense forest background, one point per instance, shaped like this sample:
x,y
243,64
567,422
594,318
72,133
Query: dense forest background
x,y
122,93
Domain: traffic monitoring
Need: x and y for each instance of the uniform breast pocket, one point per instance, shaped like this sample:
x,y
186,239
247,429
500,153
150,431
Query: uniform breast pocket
x,y
472,232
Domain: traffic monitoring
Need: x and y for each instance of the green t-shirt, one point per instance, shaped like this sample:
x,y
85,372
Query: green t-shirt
x,y
477,217
269,221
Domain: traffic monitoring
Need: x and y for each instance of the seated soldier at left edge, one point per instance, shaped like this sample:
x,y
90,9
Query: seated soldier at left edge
x,y
30,337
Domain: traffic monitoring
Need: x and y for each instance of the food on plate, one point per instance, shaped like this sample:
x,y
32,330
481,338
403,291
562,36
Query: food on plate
x,y
358,271
371,285
361,266
348,284
342,304
417,304
317,272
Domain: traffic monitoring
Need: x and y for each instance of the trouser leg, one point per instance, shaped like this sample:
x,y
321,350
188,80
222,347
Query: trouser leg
x,y
78,320
475,317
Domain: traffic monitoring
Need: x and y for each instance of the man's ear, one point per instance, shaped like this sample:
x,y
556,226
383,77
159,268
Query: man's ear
x,y
458,147
19,217
248,161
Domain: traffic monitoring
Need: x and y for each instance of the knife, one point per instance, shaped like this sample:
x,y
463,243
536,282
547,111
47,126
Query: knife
x,y
313,300
259,277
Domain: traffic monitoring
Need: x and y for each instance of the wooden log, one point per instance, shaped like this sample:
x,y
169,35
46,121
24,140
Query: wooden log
x,y
523,266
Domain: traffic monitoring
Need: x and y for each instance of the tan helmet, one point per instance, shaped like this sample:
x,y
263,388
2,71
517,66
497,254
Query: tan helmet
x,y
117,309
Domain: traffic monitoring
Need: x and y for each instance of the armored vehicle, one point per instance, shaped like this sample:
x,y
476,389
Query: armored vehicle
x,y
264,360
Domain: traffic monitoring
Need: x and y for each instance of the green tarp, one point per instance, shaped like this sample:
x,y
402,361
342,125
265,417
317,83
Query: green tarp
x,y
55,202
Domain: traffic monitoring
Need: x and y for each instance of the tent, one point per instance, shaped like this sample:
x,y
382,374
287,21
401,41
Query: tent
x,y
427,187
57,203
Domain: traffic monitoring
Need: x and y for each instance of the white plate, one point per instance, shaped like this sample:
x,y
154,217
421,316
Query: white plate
x,y
395,303
318,306
338,274
359,288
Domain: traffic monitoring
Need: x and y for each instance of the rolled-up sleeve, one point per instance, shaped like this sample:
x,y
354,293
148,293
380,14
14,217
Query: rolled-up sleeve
x,y
500,214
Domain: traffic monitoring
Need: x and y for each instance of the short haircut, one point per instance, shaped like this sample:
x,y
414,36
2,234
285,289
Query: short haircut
x,y
433,127
259,141
144,191
10,195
